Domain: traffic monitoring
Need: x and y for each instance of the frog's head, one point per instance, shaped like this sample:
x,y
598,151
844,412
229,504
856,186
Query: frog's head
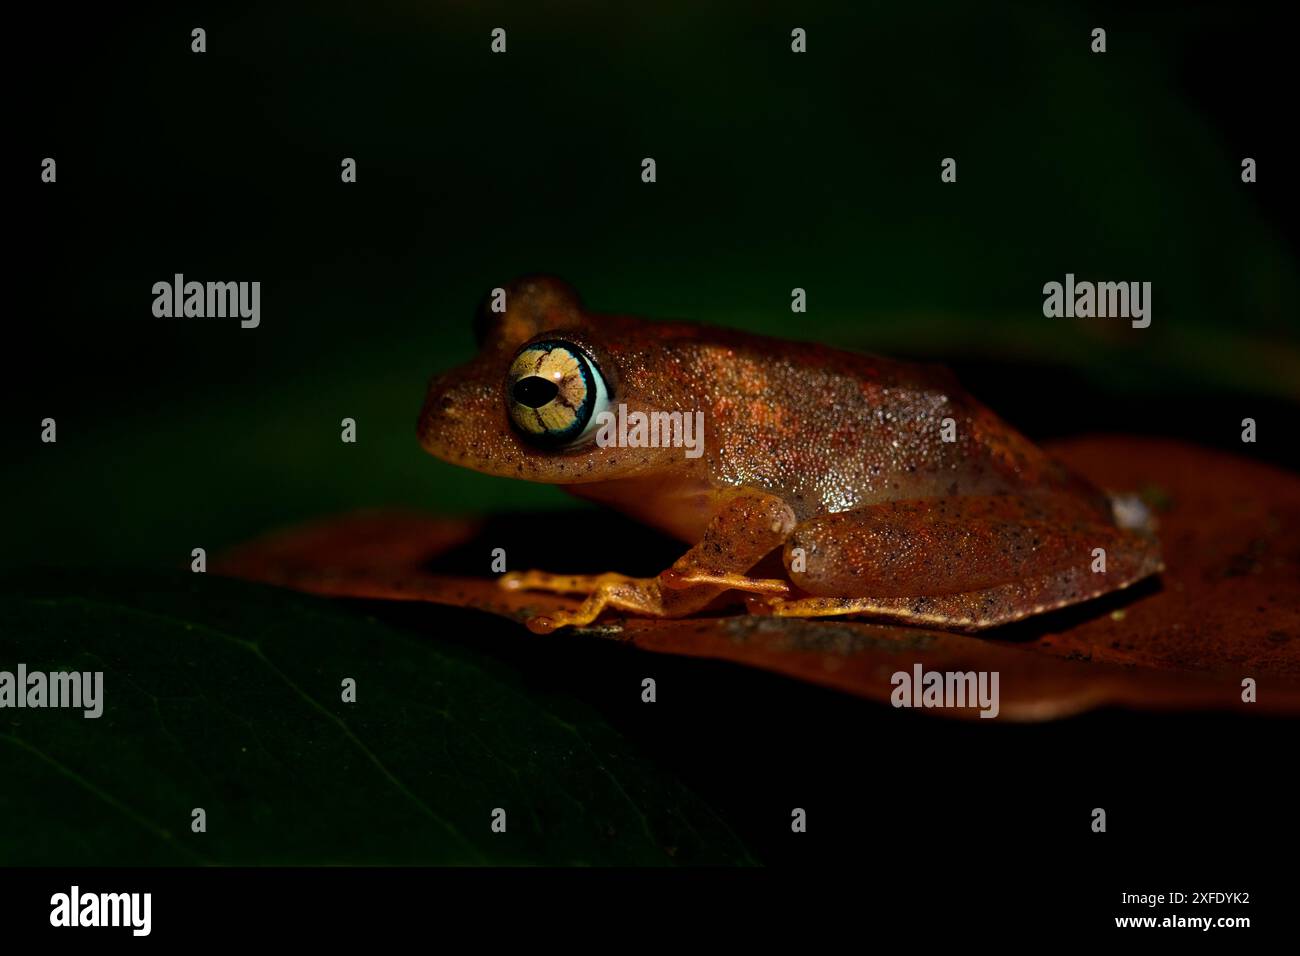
x,y
547,377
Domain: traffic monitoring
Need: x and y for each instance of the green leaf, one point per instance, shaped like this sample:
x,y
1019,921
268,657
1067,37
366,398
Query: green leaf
x,y
228,696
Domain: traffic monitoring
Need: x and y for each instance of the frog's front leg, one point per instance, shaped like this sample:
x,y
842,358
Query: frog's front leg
x,y
745,529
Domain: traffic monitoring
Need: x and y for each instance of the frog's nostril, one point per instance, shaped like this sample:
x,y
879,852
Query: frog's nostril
x,y
441,408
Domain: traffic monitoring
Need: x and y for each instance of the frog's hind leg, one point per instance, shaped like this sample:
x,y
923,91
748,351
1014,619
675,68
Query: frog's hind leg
x,y
966,563
968,611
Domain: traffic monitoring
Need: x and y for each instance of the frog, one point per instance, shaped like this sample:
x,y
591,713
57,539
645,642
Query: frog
x,y
826,482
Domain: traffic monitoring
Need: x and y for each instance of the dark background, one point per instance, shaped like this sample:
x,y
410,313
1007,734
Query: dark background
x,y
775,171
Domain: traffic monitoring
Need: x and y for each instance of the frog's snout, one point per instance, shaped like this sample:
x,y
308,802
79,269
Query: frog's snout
x,y
441,411
461,414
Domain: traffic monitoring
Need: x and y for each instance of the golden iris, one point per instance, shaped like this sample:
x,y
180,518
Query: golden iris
x,y
553,390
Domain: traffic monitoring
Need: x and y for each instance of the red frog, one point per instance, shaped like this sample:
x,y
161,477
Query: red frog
x,y
825,482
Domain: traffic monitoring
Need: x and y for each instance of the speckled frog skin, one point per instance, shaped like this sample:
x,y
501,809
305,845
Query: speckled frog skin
x,y
829,483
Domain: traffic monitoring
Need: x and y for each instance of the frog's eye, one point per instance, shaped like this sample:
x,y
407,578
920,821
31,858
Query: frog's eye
x,y
555,391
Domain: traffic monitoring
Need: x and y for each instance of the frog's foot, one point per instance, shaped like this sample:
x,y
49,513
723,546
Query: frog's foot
x,y
952,612
558,583
669,595
903,610
746,528
612,591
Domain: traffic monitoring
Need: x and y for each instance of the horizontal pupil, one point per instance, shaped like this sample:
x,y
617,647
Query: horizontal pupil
x,y
534,391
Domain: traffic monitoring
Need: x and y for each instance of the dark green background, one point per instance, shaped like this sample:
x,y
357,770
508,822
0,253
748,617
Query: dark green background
x,y
775,171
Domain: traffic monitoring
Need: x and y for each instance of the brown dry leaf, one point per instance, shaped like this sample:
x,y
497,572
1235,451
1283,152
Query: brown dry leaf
x,y
1227,608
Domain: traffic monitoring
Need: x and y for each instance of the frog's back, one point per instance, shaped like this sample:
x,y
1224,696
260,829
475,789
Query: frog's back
x,y
830,430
